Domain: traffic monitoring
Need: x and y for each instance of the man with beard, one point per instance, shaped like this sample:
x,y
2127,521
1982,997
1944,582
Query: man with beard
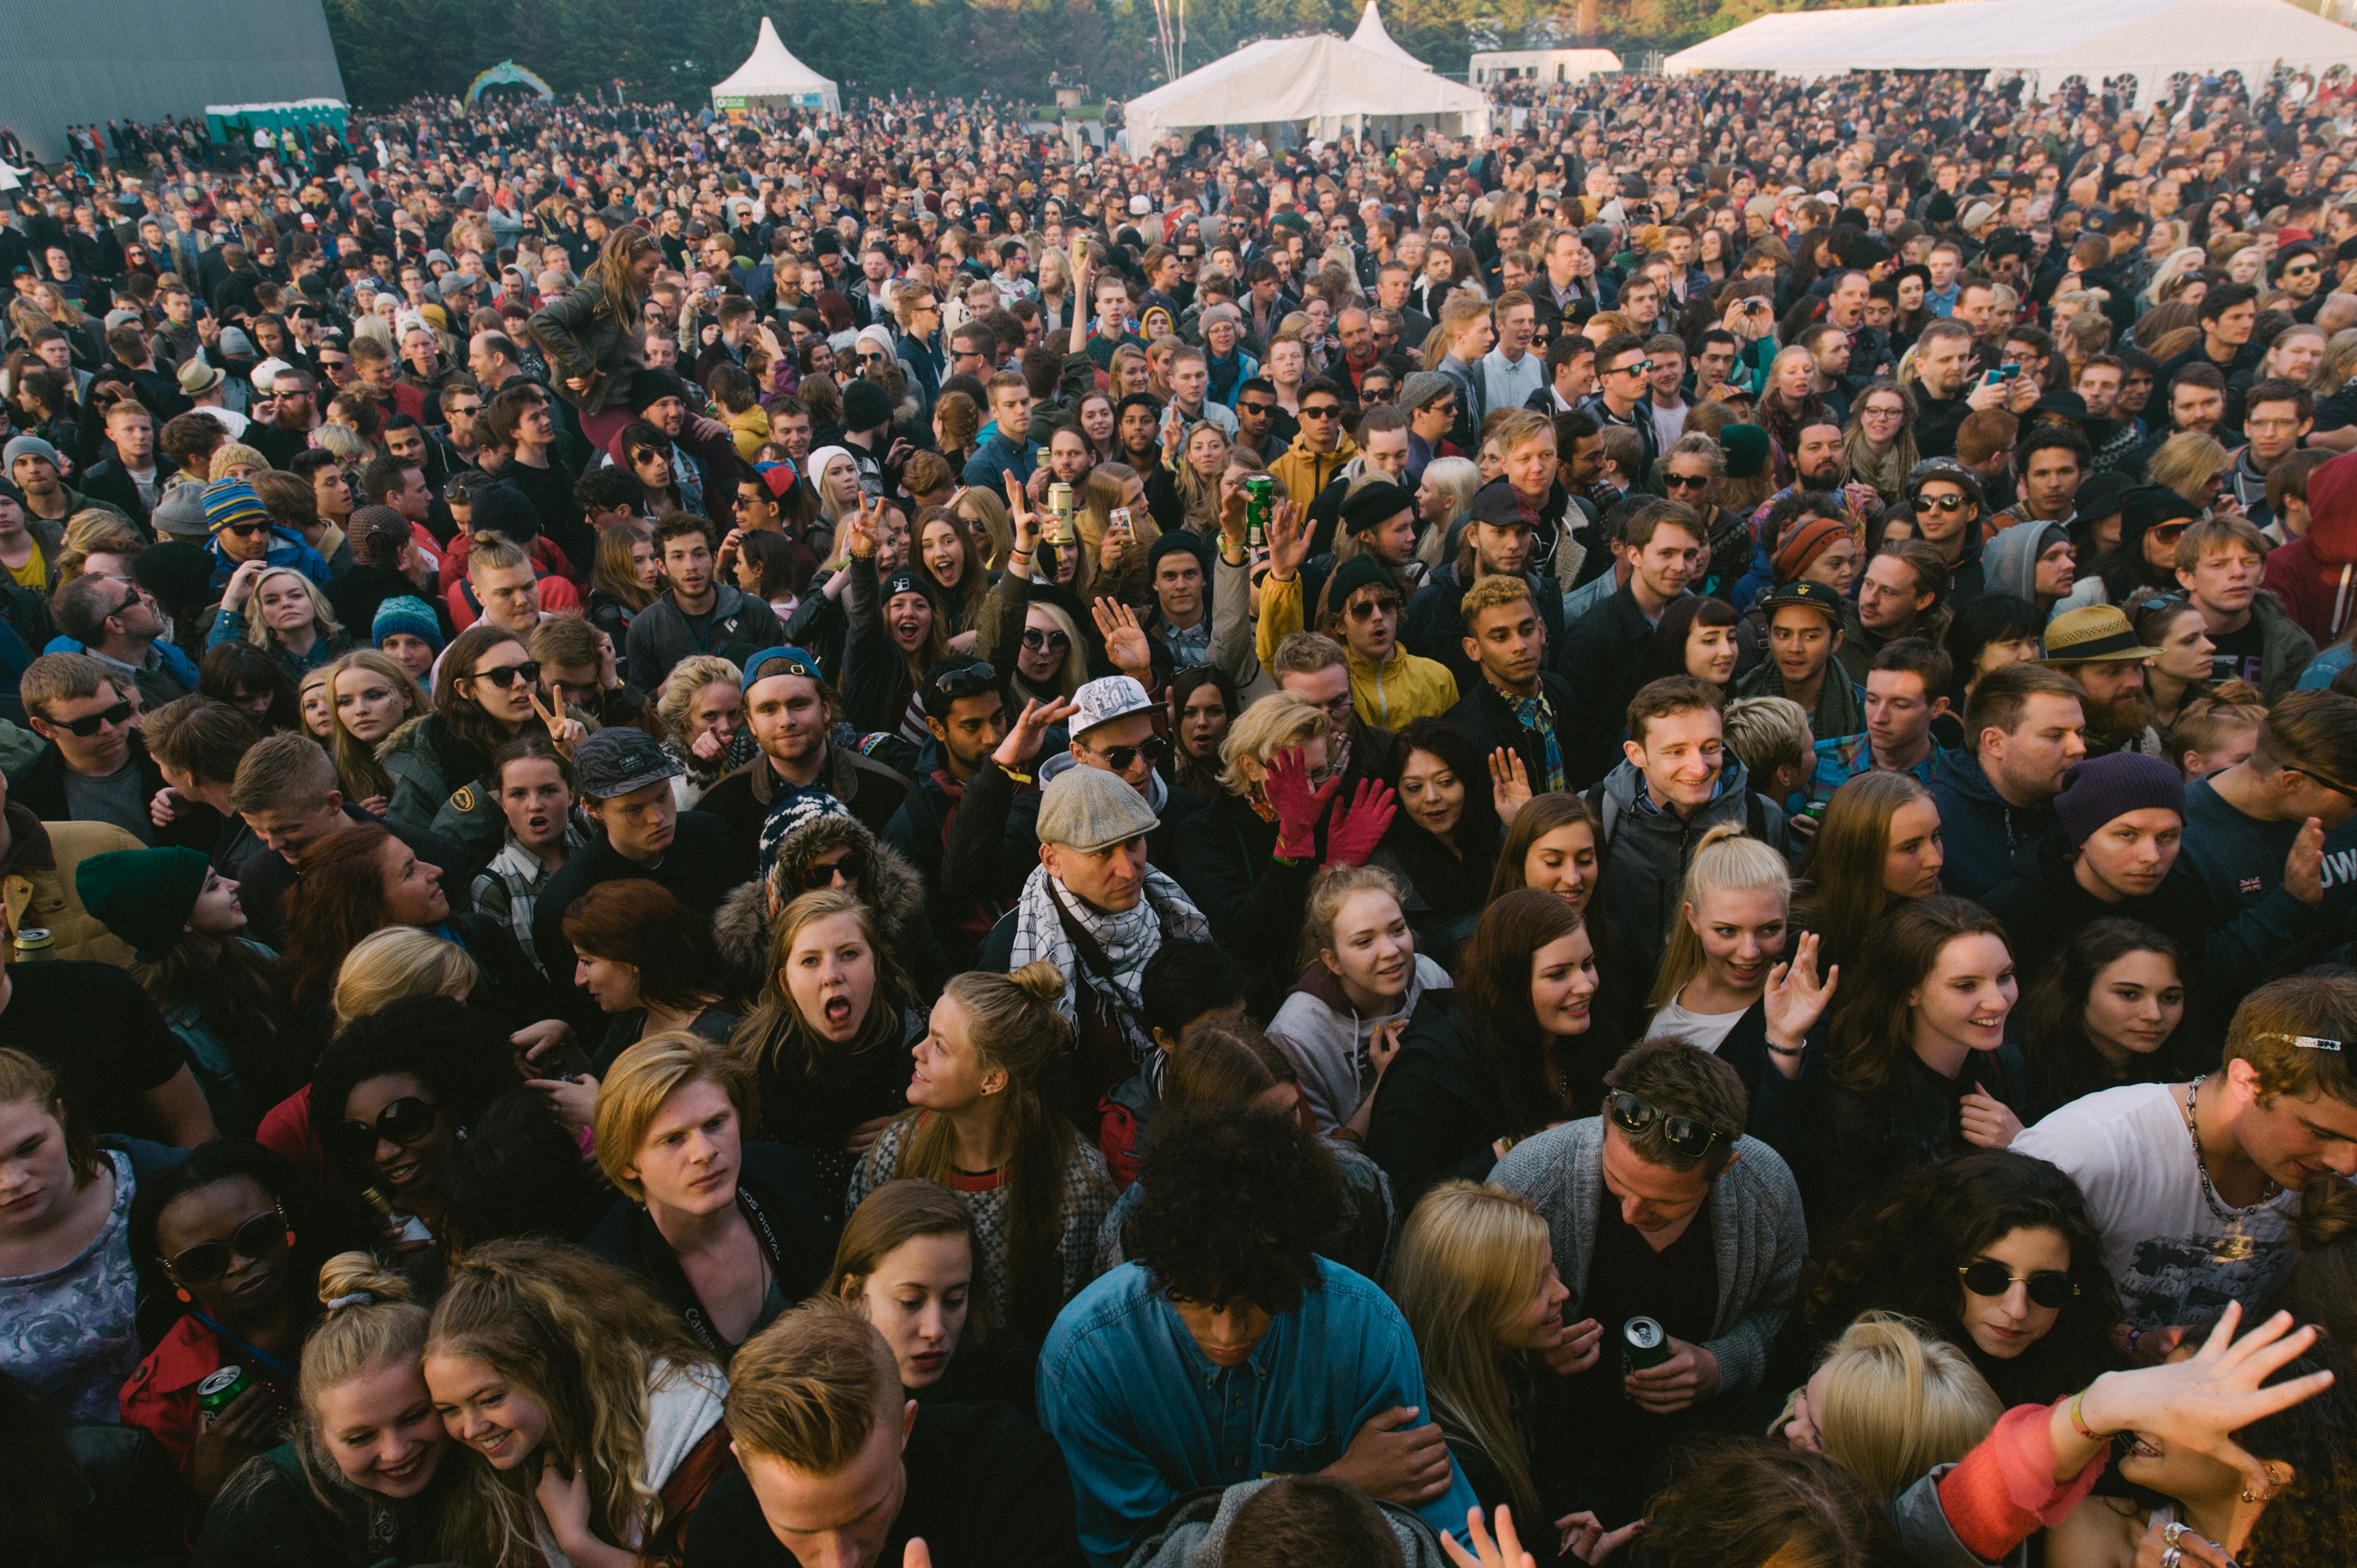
x,y
791,711
2097,648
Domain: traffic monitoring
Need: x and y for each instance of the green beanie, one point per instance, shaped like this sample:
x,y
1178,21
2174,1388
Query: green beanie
x,y
145,895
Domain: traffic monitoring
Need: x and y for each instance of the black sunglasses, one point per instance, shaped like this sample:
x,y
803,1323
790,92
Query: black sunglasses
x,y
403,1121
1686,481
1255,408
1683,1133
854,865
505,675
1154,748
1039,641
1324,410
967,680
88,726
2049,1288
245,530
208,1260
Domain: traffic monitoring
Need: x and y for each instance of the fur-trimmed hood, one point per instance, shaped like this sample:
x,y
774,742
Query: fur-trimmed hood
x,y
742,925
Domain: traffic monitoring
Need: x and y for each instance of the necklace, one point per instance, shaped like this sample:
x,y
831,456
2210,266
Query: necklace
x,y
2236,1244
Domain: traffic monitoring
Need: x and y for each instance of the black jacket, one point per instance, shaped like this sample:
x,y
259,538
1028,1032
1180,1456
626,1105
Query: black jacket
x,y
872,790
661,634
1602,657
974,849
109,482
1857,1142
704,862
1489,723
40,787
1442,1103
1433,627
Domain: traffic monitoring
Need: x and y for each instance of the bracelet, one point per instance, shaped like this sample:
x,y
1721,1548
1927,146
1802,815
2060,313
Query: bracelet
x,y
2134,1335
1793,1055
2079,1419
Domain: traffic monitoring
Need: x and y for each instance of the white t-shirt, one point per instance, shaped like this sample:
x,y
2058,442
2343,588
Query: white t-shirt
x,y
1704,1031
2173,1259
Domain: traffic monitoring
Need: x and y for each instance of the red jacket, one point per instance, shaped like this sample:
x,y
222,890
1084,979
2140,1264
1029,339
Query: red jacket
x,y
2315,575
160,1399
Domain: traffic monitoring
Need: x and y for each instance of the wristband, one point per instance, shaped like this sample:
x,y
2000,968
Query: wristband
x,y
1793,1055
2079,1421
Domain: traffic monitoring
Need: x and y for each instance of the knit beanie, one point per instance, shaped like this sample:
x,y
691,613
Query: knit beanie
x,y
1358,572
865,405
231,452
145,895
503,509
403,614
1374,504
27,446
2103,788
1746,446
1804,544
233,500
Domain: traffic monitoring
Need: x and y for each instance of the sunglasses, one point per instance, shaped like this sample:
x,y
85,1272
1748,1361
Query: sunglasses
x,y
2300,271
1942,503
1683,1133
403,1121
1154,748
88,726
1039,641
1686,481
208,1260
2048,1288
971,681
853,866
1366,607
506,675
1256,408
1643,367
2165,531
1323,411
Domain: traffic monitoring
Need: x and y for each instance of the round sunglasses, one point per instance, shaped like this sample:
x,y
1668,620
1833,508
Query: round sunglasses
x,y
403,1121
2049,1288
1683,1133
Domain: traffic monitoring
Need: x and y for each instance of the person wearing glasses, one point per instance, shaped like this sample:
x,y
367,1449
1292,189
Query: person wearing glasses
x,y
1625,392
1320,452
2276,416
93,766
1116,725
243,533
1994,1253
1661,1208
120,625
216,1240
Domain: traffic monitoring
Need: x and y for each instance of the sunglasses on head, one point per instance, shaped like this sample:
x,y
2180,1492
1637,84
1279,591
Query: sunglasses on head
x,y
853,865
1683,1133
971,681
2049,1288
1154,748
208,1260
506,675
89,725
1039,641
403,1121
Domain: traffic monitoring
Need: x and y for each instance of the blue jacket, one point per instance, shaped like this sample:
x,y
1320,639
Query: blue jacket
x,y
999,456
1143,1417
1981,833
286,549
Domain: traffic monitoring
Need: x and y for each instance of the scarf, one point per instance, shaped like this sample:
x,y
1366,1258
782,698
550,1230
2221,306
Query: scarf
x,y
1535,713
1126,940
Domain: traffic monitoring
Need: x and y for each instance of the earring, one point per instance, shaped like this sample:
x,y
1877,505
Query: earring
x,y
290,1236
184,1295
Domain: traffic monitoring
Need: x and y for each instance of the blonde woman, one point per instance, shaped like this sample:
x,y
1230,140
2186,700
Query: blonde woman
x,y
2191,464
699,709
1476,1279
400,961
985,1117
278,610
1441,498
1890,1401
369,695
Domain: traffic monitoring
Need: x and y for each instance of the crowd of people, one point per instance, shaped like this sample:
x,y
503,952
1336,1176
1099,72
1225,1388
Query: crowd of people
x,y
872,840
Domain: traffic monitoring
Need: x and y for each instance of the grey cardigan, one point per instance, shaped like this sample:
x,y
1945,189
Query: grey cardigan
x,y
1757,1232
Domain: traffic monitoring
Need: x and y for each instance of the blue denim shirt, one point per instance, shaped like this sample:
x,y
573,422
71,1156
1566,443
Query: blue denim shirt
x,y
1143,1417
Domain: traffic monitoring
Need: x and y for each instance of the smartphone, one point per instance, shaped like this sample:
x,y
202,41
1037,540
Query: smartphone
x,y
1994,379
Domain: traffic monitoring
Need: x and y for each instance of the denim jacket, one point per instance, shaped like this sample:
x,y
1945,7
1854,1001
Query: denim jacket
x,y
1143,1417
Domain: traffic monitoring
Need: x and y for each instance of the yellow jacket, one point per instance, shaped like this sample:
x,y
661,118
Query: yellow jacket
x,y
1306,472
39,885
1387,695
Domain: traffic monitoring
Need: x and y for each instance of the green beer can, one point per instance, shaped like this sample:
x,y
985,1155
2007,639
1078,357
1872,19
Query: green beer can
x,y
1259,497
216,1393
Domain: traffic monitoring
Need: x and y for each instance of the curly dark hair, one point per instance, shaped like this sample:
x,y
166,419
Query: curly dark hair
x,y
457,1053
1902,1254
1745,1500
1236,1204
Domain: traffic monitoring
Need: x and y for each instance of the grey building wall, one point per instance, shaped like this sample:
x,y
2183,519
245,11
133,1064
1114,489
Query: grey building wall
x,y
82,62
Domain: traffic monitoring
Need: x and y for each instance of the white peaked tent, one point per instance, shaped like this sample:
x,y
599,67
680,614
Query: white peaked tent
x,y
1371,37
771,78
1321,82
2152,39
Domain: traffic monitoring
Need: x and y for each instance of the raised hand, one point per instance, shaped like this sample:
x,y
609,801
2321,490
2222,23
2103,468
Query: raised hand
x,y
1232,529
1795,998
1359,824
1286,784
1124,639
563,733
2304,866
1288,540
1510,783
1025,521
1505,1552
1022,742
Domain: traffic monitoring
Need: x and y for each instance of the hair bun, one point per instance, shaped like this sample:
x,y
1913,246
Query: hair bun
x,y
1041,978
357,1279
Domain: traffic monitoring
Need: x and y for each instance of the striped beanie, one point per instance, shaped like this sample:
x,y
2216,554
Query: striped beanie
x,y
233,500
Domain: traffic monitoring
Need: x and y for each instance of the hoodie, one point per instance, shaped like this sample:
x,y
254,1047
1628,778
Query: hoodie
x,y
2315,575
1981,832
2010,561
1647,848
1325,1038
1306,470
744,928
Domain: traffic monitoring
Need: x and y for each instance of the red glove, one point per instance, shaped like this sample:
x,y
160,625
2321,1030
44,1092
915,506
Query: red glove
x,y
1359,826
1298,806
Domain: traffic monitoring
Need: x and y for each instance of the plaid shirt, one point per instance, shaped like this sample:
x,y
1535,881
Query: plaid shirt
x,y
1843,758
510,887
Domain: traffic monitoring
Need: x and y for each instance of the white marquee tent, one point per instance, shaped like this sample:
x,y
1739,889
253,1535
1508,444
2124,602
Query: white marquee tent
x,y
771,78
2153,40
1371,37
1322,82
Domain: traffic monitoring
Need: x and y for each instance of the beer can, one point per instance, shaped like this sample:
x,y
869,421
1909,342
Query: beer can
x,y
1260,491
1059,514
216,1393
1121,520
1643,1343
36,945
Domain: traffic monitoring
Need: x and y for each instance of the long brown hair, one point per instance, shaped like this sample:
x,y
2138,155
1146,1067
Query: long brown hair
x,y
611,271
613,572
1845,896
462,716
1871,1023
644,924
338,898
1013,1027
775,1030
1494,979
898,1212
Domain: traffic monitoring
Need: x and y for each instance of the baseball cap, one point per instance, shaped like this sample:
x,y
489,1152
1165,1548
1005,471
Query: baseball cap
x,y
1110,697
1816,595
616,761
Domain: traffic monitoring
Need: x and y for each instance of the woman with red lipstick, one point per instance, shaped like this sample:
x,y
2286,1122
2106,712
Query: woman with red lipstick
x,y
365,1475
217,1248
985,1088
1994,1253
727,1230
1919,1065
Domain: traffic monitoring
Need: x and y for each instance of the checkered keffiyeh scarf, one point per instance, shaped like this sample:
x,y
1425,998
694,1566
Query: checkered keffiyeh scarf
x,y
1126,940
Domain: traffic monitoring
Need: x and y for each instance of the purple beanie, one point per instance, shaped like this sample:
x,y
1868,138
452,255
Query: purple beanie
x,y
2102,787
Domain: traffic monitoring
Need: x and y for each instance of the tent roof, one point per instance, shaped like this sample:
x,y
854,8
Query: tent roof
x,y
1371,37
770,69
2154,39
1310,78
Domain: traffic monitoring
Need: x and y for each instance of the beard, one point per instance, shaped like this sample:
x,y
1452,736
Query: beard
x,y
2118,717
